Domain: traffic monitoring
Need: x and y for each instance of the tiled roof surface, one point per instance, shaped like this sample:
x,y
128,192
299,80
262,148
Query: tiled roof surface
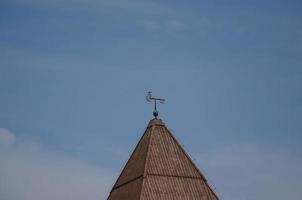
x,y
159,169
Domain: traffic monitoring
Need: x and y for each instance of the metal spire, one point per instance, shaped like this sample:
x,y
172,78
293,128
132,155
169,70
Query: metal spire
x,y
150,98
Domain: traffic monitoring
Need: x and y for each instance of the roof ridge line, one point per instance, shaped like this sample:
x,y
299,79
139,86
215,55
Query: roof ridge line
x,y
132,154
187,155
148,150
147,156
127,182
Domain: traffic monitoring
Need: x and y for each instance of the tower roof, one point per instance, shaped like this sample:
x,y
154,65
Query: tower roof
x,y
160,169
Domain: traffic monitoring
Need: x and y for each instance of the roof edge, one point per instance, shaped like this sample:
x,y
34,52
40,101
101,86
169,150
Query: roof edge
x,y
194,165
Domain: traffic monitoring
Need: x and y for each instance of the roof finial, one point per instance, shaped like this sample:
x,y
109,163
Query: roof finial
x,y
149,98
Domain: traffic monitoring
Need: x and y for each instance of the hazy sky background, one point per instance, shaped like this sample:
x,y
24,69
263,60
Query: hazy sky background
x,y
73,79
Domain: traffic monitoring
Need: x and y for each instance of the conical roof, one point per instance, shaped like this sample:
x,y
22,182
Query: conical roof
x,y
160,169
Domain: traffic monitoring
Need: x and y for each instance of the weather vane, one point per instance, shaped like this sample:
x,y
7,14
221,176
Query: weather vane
x,y
150,98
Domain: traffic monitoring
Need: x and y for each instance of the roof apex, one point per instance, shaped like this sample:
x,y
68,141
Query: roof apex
x,y
156,122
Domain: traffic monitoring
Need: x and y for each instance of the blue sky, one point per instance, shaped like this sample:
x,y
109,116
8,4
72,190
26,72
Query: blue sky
x,y
74,75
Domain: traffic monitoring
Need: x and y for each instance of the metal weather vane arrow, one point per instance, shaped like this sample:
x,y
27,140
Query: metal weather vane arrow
x,y
150,98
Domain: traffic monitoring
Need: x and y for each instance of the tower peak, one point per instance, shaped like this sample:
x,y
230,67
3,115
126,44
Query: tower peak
x,y
156,122
160,169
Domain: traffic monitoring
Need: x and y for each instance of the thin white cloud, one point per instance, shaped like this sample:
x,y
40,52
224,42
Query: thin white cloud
x,y
151,25
141,6
33,174
138,6
175,25
248,172
164,25
7,138
239,172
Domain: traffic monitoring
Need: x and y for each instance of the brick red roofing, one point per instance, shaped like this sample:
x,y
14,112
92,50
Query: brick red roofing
x,y
159,169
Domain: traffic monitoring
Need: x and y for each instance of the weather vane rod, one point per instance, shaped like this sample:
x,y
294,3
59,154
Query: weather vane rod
x,y
150,98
